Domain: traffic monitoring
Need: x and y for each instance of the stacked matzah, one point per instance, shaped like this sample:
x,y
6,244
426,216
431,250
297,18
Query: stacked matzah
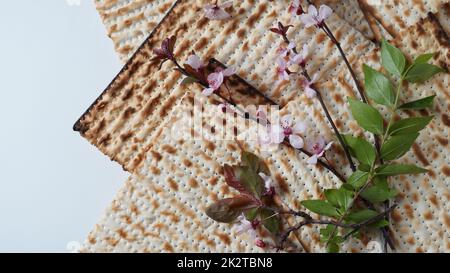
x,y
102,127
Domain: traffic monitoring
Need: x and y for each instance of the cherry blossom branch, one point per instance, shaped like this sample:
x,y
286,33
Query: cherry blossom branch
x,y
247,115
322,103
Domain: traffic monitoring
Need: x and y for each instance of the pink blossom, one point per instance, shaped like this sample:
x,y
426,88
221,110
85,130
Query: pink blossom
x,y
195,62
279,132
282,67
268,184
260,243
217,12
295,8
245,226
300,59
215,80
314,17
307,85
318,148
283,51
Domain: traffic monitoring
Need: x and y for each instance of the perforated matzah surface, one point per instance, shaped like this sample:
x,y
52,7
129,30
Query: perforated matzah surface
x,y
129,22
398,15
424,200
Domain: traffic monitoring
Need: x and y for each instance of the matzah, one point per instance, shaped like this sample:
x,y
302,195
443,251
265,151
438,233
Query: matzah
x,y
128,23
444,17
397,15
430,229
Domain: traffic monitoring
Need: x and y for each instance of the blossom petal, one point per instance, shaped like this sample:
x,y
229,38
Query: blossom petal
x,y
296,59
267,180
324,12
194,62
215,80
291,46
208,91
299,128
312,160
312,10
328,146
308,20
276,134
286,121
213,12
229,71
296,141
282,63
310,93
320,141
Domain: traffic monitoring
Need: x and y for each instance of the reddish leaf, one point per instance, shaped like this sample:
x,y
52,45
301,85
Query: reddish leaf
x,y
227,210
232,180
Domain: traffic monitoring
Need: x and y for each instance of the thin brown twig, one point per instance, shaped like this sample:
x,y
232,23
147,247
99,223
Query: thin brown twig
x,y
309,220
327,113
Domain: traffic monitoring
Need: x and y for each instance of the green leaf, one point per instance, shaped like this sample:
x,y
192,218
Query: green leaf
x,y
381,181
333,248
254,162
270,220
189,80
340,198
227,210
409,125
380,224
367,116
325,233
251,214
392,58
321,207
364,168
398,169
361,149
378,87
419,104
424,58
250,180
358,179
377,194
422,72
396,146
361,216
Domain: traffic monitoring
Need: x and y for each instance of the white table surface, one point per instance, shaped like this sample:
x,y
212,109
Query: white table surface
x,y
55,60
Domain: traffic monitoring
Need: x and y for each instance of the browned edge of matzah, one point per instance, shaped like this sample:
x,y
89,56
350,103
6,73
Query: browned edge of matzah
x,y
78,127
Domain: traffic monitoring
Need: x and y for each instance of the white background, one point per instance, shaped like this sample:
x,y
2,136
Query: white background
x,y
54,186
